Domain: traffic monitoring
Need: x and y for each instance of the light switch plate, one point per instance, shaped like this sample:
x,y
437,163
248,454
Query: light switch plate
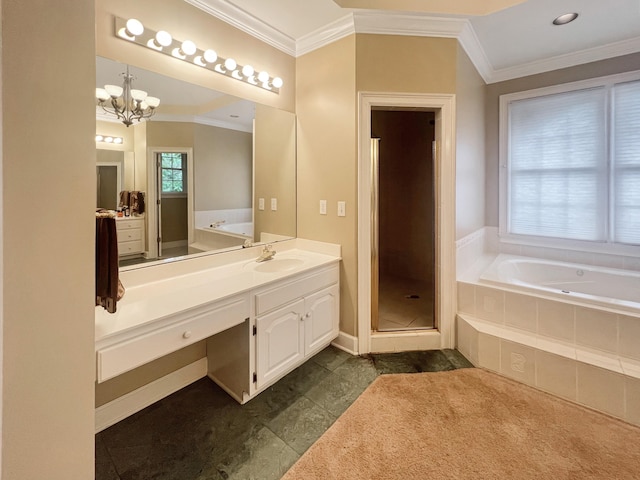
x,y
274,204
261,204
342,209
323,207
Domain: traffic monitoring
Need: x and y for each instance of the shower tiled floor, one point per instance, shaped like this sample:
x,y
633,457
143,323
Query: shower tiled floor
x,y
201,433
404,304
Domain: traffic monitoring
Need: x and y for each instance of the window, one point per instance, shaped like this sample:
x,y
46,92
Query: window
x,y
572,158
173,172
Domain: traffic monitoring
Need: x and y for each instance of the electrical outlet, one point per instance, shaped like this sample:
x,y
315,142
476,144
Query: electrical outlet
x,y
323,207
342,209
261,204
274,204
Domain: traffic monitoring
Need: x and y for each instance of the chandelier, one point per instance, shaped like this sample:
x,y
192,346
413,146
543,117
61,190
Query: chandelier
x,y
126,103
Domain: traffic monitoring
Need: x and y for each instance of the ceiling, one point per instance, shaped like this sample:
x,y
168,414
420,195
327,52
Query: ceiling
x,y
514,38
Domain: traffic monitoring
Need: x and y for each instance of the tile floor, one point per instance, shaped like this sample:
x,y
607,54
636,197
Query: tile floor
x,y
200,433
404,304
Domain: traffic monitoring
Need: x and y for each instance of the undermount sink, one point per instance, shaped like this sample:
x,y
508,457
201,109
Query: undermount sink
x,y
277,265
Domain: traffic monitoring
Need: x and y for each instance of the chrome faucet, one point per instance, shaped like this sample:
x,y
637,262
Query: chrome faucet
x,y
217,224
267,253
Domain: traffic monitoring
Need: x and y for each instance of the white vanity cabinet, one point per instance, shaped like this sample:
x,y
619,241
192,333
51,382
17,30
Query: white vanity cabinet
x,y
292,320
130,233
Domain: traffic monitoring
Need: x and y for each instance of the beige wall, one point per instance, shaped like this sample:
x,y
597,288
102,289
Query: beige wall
x,y
48,166
184,22
611,66
115,129
387,63
223,168
326,110
275,171
470,147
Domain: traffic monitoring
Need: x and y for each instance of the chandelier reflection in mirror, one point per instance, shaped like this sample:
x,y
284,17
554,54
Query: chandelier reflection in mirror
x,y
161,41
126,103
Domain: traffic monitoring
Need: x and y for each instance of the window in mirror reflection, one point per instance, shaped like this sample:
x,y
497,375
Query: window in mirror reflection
x,y
173,166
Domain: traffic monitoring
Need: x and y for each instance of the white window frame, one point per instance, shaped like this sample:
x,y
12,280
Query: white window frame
x,y
185,174
503,203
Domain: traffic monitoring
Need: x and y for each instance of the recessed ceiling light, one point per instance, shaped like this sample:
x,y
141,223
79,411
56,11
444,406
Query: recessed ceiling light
x,y
565,18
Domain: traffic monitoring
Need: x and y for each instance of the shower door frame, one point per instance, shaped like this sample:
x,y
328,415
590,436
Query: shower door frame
x,y
445,279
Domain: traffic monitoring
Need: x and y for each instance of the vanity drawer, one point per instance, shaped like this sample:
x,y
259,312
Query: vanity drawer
x,y
298,287
122,357
126,248
128,224
129,234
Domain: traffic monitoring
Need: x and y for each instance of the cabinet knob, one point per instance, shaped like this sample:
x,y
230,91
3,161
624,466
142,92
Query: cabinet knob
x,y
307,315
186,334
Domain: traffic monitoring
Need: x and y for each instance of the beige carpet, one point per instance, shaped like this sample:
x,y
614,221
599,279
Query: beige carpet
x,y
469,424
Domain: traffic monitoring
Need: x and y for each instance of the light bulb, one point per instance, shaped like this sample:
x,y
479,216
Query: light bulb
x,y
99,138
117,140
277,82
134,27
164,38
248,71
108,139
230,64
114,91
263,77
188,47
210,56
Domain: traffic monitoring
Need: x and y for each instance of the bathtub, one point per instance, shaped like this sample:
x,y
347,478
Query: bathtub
x,y
601,286
226,235
244,229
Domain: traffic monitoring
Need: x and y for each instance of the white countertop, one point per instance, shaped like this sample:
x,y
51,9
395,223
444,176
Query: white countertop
x,y
147,301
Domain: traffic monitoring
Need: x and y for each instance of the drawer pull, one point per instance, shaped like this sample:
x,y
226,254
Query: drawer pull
x,y
186,334
308,315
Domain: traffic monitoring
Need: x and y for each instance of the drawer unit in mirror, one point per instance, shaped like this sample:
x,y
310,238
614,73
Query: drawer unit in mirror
x,y
130,231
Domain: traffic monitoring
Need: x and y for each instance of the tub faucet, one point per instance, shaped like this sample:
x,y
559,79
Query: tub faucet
x,y
216,224
267,253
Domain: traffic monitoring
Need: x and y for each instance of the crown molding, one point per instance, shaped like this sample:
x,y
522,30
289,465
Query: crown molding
x,y
330,33
391,23
238,18
395,23
202,120
581,57
471,45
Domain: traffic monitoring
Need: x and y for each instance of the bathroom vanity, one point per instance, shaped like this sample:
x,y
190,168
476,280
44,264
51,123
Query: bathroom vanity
x,y
261,319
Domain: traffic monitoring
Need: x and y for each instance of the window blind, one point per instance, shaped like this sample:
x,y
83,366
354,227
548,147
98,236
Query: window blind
x,y
557,169
626,163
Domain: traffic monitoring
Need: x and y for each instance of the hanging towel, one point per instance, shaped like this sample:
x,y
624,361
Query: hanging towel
x,y
124,199
137,202
109,289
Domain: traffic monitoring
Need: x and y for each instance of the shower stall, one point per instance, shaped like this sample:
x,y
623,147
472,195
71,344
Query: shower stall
x,y
403,291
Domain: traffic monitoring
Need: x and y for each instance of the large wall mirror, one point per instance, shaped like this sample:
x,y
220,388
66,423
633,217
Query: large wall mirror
x,y
217,172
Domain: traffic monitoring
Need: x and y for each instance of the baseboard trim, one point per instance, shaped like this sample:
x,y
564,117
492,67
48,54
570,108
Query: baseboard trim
x,y
346,342
126,405
383,342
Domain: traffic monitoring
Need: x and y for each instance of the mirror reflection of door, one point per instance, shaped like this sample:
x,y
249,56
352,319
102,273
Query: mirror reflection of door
x,y
172,209
108,186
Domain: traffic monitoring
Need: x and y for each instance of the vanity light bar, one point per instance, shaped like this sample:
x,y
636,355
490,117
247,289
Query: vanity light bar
x,y
109,139
161,41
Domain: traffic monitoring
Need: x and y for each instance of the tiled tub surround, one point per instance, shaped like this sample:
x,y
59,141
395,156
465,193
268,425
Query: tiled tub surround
x,y
563,344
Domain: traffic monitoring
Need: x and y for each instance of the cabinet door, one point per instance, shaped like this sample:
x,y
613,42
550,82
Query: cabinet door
x,y
321,318
280,342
